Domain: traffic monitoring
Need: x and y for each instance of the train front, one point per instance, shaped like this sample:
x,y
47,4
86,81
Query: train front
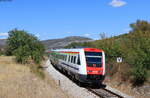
x,y
95,65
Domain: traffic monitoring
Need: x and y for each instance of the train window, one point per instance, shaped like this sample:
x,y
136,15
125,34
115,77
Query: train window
x,y
74,60
62,57
78,60
93,53
93,60
58,56
71,59
68,58
65,58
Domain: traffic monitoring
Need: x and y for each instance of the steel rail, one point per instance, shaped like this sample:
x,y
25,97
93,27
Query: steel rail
x,y
102,94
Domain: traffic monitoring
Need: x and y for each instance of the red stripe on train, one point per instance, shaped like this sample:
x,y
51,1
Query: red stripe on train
x,y
93,70
92,50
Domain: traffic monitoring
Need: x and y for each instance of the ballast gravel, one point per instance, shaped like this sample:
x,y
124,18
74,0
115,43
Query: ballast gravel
x,y
68,86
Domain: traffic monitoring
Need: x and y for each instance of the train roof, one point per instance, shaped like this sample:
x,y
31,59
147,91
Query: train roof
x,y
79,49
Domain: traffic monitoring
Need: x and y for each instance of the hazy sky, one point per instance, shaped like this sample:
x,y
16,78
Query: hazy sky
x,y
49,19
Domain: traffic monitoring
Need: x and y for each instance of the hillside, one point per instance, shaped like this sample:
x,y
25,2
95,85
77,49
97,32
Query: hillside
x,y
56,43
60,43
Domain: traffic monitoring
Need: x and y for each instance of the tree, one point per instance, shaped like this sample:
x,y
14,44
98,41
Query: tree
x,y
24,46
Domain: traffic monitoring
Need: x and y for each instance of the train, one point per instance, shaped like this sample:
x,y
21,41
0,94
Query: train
x,y
86,65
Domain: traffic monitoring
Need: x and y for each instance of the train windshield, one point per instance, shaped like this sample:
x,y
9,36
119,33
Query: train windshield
x,y
93,53
93,59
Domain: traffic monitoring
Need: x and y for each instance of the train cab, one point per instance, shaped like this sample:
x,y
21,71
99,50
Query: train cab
x,y
95,65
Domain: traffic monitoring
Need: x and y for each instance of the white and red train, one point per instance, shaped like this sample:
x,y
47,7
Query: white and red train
x,y
86,65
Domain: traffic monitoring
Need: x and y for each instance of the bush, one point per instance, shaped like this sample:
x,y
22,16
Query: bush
x,y
22,54
24,46
139,74
36,56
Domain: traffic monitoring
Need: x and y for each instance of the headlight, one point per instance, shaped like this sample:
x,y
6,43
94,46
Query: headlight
x,y
100,71
89,71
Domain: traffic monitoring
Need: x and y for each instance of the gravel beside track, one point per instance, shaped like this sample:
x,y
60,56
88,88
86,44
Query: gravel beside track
x,y
68,86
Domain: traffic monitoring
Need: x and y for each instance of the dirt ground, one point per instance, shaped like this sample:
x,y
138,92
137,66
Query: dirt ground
x,y
16,81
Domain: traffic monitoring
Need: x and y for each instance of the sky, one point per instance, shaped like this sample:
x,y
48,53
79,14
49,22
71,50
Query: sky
x,y
51,19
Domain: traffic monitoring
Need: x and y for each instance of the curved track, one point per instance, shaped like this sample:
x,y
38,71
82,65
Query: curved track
x,y
105,93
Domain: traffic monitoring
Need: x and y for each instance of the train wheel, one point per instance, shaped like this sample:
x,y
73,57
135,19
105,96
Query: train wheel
x,y
72,77
64,71
80,84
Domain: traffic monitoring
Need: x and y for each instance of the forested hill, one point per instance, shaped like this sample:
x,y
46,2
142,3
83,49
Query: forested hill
x,y
133,47
60,43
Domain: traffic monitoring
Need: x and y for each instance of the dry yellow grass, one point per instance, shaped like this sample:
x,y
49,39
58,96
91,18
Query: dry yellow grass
x,y
16,81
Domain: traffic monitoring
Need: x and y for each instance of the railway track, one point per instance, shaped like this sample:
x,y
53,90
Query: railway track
x,y
108,92
104,93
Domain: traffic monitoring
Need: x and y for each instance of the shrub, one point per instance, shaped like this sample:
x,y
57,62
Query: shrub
x,y
139,74
24,46
22,54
